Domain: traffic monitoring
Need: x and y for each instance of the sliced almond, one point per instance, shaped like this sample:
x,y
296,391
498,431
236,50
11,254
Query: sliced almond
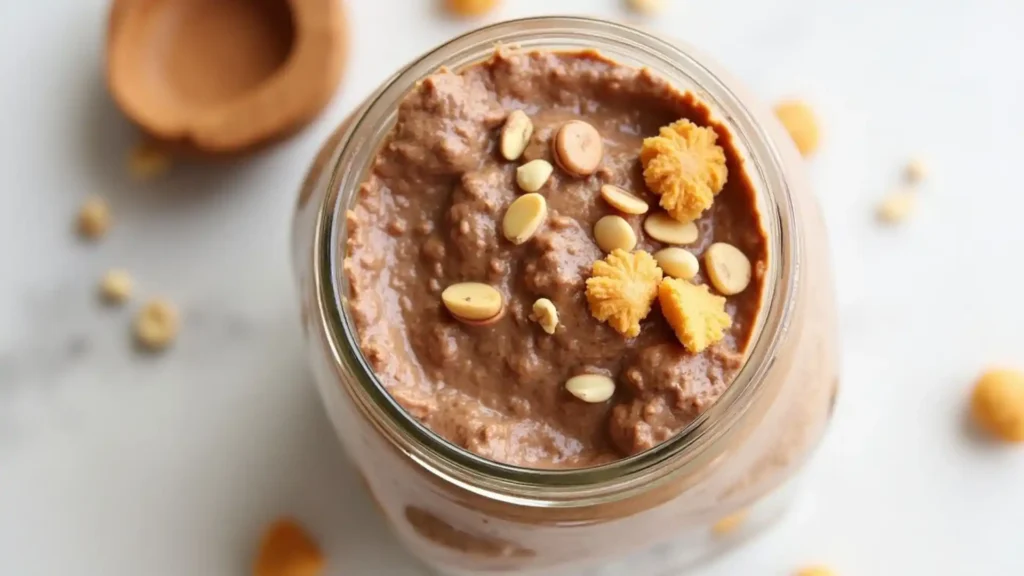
x,y
545,314
473,301
664,228
592,388
677,262
614,233
578,148
623,201
515,135
524,217
534,174
728,268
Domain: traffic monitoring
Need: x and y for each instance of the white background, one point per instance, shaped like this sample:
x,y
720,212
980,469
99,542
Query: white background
x,y
113,464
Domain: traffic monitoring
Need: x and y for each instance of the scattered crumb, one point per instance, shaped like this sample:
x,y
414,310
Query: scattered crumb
x,y
469,8
815,571
646,7
697,316
287,550
684,166
116,286
622,289
730,523
997,404
801,123
156,324
93,218
915,171
897,206
148,160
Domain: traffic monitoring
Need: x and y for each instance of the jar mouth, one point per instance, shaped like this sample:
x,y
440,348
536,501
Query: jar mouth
x,y
533,486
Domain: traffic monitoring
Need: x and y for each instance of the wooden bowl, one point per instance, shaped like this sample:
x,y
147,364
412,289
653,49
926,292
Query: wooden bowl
x,y
224,76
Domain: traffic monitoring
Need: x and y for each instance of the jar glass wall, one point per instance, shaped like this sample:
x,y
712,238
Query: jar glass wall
x,y
461,513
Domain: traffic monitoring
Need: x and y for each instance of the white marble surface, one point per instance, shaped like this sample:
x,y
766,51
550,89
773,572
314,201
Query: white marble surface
x,y
112,463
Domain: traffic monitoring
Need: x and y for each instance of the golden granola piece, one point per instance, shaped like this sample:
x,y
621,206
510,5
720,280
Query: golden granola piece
x,y
622,289
697,316
287,550
684,166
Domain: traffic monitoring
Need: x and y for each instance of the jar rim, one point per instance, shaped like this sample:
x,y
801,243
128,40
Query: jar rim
x,y
535,486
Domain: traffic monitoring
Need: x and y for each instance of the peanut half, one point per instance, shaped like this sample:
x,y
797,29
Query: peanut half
x,y
728,269
664,228
591,388
623,201
614,233
523,217
473,301
515,135
578,148
677,262
534,174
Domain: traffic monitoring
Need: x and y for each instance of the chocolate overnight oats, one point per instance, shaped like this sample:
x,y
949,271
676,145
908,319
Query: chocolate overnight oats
x,y
555,260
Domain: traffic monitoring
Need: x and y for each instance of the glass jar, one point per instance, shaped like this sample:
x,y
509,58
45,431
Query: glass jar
x,y
723,478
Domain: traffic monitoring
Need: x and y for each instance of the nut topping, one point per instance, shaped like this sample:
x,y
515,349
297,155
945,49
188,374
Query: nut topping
x,y
578,148
623,201
614,233
523,217
728,268
515,135
592,388
473,301
664,228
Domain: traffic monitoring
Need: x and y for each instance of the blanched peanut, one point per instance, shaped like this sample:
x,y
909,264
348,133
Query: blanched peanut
x,y
523,217
728,269
614,233
801,123
515,135
472,301
915,171
533,175
545,314
664,228
623,201
897,206
646,7
93,218
578,148
116,286
156,324
677,262
592,388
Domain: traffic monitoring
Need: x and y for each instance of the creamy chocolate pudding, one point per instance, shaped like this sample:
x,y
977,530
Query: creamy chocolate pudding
x,y
490,374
